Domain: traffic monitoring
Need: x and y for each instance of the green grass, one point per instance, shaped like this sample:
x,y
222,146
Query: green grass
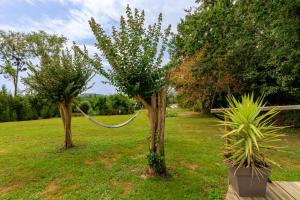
x,y
109,163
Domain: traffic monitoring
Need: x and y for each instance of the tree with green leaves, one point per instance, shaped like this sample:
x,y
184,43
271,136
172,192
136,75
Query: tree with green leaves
x,y
255,43
17,49
135,54
41,42
60,77
14,54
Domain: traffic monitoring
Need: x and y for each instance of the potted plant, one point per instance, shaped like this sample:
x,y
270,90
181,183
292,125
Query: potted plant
x,y
250,135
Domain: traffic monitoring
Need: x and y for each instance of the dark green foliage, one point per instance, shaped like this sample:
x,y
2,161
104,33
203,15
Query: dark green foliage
x,y
120,104
48,110
156,162
85,106
290,118
43,108
19,108
100,105
108,105
6,111
255,42
23,109
15,108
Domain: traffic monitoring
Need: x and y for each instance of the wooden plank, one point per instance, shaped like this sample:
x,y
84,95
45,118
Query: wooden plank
x,y
290,189
270,195
231,194
288,107
258,198
266,108
244,198
297,184
279,192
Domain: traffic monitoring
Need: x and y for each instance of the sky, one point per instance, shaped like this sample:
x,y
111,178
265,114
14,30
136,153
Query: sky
x,y
70,18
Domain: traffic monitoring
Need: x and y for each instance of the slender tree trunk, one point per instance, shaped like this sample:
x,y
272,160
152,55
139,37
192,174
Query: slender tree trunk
x,y
16,79
162,101
156,107
66,115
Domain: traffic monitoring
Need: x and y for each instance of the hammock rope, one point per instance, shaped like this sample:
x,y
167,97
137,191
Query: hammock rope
x,y
107,125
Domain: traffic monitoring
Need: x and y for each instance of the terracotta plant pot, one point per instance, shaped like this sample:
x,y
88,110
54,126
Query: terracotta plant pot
x,y
247,183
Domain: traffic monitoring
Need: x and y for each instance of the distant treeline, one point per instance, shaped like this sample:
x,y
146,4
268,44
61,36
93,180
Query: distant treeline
x,y
19,108
31,107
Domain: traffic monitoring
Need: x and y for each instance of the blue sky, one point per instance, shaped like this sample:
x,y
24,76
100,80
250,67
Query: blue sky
x,y
70,18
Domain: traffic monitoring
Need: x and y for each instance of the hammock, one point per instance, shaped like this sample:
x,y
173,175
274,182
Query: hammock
x,y
106,125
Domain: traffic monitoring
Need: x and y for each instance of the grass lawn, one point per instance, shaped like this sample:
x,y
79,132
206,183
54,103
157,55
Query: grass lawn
x,y
109,163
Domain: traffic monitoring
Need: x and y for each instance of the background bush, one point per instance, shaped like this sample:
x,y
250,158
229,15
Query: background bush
x,y
85,106
19,108
28,107
106,105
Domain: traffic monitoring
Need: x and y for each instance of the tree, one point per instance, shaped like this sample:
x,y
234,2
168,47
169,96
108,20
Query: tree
x,y
60,77
17,49
41,42
255,42
200,91
14,54
135,54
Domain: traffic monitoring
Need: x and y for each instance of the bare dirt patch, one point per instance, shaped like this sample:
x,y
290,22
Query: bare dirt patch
x,y
125,186
10,187
108,162
110,158
51,191
89,161
189,165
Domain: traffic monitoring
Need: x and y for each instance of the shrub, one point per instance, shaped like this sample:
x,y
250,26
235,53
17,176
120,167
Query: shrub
x,y
251,133
85,106
120,104
100,105
108,105
289,118
24,107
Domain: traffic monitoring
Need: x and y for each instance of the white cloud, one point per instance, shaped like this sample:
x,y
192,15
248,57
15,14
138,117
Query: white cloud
x,y
106,12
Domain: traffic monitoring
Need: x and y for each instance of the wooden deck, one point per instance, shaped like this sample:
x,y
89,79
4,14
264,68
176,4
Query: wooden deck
x,y
277,190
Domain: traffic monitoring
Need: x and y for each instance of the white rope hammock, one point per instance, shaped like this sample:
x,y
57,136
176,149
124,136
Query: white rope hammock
x,y
106,125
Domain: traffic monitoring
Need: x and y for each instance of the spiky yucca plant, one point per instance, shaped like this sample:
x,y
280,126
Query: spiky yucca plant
x,y
250,134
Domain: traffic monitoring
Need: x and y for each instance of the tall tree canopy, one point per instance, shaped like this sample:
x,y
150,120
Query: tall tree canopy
x,y
60,77
14,54
135,54
41,43
255,42
17,49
